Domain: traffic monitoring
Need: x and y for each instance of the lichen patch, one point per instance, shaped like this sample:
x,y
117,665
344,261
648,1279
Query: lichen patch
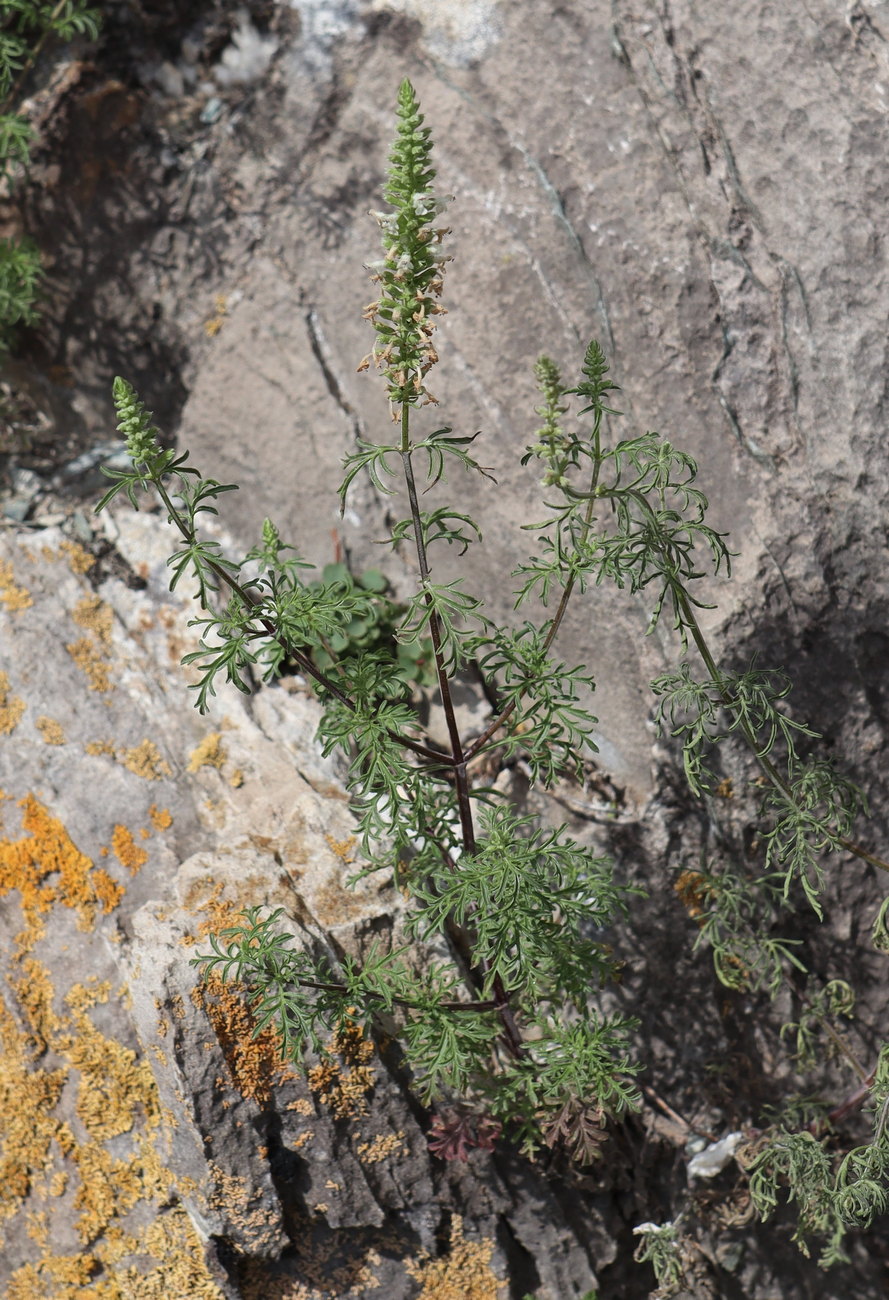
x,y
46,867
12,707
42,1155
465,1273
382,1147
254,1061
145,760
91,653
209,753
15,598
50,730
127,851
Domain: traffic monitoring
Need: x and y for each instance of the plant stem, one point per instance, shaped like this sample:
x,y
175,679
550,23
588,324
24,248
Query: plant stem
x,y
329,987
511,1036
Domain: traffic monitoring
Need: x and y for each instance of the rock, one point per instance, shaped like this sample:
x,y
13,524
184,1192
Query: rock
x,y
151,1137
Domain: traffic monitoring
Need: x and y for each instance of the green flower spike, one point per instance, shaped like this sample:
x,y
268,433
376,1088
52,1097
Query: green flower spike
x,y
411,271
134,422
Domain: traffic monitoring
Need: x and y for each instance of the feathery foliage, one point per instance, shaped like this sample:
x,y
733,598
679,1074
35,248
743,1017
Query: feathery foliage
x,y
25,28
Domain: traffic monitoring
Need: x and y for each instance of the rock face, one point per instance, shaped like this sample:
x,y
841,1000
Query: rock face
x,y
700,187
147,1138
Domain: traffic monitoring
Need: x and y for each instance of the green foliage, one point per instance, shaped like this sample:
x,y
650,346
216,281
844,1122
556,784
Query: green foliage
x,y
660,1246
373,627
833,1193
26,27
517,1029
20,275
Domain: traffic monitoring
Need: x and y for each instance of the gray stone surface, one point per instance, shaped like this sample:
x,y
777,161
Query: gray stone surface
x,y
139,1122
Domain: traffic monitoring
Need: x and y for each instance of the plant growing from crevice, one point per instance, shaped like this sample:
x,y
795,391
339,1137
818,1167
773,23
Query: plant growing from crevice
x,y
510,1036
25,28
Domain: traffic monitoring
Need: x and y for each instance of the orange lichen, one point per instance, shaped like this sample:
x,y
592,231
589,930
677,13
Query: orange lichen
x,y
11,707
146,761
254,1063
160,818
209,753
50,730
46,867
381,1147
126,850
14,598
464,1274
694,892
344,1089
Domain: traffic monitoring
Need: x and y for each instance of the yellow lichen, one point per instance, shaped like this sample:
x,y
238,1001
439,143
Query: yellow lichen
x,y
114,1094
14,598
11,707
91,663
126,850
464,1274
79,559
245,1204
98,747
50,730
209,753
90,653
92,614
146,761
214,324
